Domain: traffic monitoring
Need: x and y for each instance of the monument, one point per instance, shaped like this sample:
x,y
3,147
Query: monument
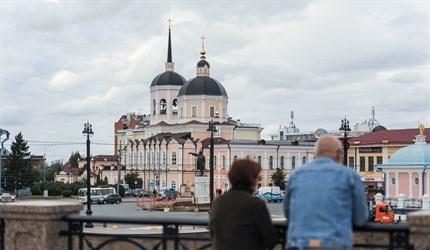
x,y
201,182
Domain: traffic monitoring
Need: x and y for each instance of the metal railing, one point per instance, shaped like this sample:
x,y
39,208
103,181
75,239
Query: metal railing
x,y
172,236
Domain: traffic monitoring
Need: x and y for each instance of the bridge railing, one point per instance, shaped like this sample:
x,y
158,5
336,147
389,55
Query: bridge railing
x,y
176,233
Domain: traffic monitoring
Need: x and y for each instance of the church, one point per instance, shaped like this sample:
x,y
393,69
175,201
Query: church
x,y
157,146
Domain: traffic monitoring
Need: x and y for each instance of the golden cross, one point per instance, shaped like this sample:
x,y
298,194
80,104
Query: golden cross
x,y
203,41
169,21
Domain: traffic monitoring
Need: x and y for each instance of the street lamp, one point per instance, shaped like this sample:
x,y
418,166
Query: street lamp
x,y
88,131
212,129
2,131
345,128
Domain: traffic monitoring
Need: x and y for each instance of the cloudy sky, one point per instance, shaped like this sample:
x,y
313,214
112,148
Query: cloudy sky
x,y
66,62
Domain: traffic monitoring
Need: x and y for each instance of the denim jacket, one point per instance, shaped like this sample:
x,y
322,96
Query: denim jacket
x,y
322,202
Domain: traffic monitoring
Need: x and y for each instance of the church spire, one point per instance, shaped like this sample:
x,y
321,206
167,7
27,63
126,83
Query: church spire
x,y
169,63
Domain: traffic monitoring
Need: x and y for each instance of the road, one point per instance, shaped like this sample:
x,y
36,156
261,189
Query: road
x,y
128,209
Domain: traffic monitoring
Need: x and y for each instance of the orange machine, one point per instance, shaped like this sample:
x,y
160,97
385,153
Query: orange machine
x,y
382,213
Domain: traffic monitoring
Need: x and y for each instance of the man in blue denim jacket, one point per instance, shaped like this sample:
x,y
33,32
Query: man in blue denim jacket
x,y
323,200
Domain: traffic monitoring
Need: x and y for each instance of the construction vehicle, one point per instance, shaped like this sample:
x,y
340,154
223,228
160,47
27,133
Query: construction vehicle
x,y
382,213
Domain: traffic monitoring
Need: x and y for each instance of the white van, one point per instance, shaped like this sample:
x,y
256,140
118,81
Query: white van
x,y
270,193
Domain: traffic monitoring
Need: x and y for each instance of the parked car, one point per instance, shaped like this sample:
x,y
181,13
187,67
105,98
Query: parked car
x,y
271,194
110,198
6,197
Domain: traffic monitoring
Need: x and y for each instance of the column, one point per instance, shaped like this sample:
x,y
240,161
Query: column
x,y
410,185
36,224
397,184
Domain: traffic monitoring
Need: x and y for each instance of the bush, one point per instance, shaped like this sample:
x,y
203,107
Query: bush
x,y
36,189
54,189
67,193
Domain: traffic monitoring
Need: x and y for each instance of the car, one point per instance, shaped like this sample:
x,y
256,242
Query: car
x,y
4,197
271,194
110,198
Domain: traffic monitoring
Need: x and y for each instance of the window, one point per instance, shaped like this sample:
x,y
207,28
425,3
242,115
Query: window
x,y
293,162
281,135
282,162
173,185
271,162
393,181
175,106
259,159
370,161
148,159
153,158
378,159
235,158
163,106
164,158
214,162
173,158
158,158
194,109
416,181
212,111
304,160
362,164
163,183
182,112
351,162
153,106
223,162
141,158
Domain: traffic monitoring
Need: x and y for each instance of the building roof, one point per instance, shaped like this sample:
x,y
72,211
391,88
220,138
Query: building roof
x,y
202,86
394,136
168,78
416,154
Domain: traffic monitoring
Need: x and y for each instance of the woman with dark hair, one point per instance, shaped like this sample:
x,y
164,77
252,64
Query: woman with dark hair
x,y
239,220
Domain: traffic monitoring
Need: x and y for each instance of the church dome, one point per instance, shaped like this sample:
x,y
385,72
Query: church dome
x,y
416,154
168,78
202,86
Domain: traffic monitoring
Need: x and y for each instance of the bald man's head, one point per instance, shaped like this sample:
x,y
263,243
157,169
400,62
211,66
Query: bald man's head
x,y
329,146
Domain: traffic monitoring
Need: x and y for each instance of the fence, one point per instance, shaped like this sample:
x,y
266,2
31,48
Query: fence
x,y
396,236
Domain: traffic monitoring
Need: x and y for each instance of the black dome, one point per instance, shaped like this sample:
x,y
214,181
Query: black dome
x,y
379,127
168,78
202,86
202,63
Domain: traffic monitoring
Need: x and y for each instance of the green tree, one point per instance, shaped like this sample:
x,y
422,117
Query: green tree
x,y
130,178
19,172
74,159
54,168
278,178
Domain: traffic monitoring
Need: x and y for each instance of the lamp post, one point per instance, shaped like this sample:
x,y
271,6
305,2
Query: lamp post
x,y
211,129
2,131
345,128
88,131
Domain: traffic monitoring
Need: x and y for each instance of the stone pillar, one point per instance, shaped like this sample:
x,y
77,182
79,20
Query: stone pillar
x,y
419,229
201,190
36,224
426,201
379,198
401,201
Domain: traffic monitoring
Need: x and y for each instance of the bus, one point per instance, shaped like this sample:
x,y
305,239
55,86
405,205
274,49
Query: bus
x,y
95,192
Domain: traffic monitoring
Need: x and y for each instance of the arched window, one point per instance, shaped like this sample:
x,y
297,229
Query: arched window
x,y
259,159
164,158
223,162
148,159
271,162
303,159
141,158
293,162
163,106
214,162
158,158
173,158
235,158
282,162
173,185
153,106
163,183
175,106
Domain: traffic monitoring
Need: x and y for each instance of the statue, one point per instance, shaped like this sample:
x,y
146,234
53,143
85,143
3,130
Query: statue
x,y
201,160
421,128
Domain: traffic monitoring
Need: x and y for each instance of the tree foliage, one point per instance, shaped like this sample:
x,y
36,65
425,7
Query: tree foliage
x,y
54,168
20,173
74,159
278,178
130,178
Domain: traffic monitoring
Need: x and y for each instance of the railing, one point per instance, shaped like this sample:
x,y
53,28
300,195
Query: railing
x,y
413,202
170,236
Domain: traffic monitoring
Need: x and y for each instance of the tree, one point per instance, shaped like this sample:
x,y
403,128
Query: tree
x,y
278,178
130,178
20,173
54,168
74,159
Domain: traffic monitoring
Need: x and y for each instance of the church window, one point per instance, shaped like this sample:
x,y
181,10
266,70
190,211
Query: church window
x,y
259,159
235,158
212,111
164,158
304,160
163,106
223,162
194,111
158,158
173,158
153,106
175,106
293,162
